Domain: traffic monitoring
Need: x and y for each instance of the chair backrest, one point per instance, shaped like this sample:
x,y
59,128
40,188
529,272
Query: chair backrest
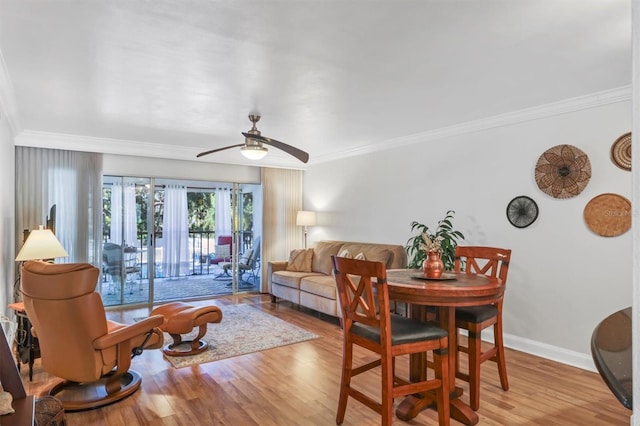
x,y
112,258
226,240
67,316
251,256
361,299
490,261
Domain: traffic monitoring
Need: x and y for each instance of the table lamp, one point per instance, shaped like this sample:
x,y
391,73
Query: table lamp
x,y
41,244
305,218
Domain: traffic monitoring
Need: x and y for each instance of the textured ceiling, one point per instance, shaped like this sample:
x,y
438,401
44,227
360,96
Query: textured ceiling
x,y
174,78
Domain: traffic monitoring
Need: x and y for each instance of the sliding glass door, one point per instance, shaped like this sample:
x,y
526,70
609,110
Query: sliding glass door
x,y
167,239
125,246
247,219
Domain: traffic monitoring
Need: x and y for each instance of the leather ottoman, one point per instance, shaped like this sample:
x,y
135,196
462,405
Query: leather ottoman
x,y
181,318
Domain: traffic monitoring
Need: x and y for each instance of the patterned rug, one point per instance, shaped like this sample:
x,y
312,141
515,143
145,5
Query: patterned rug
x,y
243,330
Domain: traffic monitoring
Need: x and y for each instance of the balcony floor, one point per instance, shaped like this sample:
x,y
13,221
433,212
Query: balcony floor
x,y
177,288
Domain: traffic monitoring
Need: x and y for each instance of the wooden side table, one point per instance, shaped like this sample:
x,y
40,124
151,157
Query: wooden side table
x,y
27,347
23,404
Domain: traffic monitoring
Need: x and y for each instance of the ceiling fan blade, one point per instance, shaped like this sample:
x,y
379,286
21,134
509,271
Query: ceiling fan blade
x,y
219,149
291,150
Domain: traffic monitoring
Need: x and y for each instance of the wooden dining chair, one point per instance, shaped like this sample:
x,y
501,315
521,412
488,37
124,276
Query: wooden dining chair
x,y
494,262
368,323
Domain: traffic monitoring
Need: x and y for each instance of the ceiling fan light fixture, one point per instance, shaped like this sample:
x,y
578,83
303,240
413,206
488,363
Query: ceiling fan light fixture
x,y
253,152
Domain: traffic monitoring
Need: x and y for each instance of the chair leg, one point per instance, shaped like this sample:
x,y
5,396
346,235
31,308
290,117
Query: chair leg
x,y
500,359
387,363
345,382
441,369
475,351
457,364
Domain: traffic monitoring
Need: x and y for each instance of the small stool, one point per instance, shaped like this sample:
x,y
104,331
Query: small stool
x,y
181,318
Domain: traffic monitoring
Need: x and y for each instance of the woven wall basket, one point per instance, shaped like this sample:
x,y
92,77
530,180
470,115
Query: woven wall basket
x,y
621,152
608,215
563,171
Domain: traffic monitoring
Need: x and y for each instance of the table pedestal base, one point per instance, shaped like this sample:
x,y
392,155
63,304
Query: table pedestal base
x,y
411,406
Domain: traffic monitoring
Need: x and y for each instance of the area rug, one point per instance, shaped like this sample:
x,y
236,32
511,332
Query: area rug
x,y
243,330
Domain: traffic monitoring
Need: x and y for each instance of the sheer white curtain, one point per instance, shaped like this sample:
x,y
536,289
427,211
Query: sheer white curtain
x,y
175,232
223,212
282,198
72,181
123,220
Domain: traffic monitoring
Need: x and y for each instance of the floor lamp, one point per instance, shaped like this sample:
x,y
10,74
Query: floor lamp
x,y
306,218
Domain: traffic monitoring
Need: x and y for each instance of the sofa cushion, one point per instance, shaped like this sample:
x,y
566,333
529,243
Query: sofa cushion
x,y
372,252
322,253
322,285
290,278
300,260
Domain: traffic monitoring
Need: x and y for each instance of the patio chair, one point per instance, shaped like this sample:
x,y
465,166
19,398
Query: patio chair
x,y
223,252
248,262
115,262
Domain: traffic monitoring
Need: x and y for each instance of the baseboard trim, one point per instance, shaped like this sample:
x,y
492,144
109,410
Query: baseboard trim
x,y
544,350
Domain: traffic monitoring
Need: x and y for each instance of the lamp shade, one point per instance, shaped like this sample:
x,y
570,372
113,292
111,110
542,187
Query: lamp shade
x,y
41,244
306,218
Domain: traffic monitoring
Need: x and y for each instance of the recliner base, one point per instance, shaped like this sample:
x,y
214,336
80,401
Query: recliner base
x,y
87,396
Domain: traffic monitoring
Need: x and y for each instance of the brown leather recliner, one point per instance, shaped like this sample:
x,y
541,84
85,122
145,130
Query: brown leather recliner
x,y
77,342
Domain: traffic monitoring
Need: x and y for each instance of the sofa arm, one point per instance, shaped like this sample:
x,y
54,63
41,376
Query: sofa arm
x,y
279,265
274,266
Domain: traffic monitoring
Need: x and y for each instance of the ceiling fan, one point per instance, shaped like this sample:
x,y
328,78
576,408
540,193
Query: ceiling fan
x,y
253,147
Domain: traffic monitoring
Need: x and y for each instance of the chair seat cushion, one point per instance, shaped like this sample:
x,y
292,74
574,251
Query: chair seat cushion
x,y
476,314
403,330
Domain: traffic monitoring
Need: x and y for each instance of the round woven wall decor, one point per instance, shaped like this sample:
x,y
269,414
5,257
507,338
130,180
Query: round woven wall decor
x,y
522,211
621,152
563,171
608,215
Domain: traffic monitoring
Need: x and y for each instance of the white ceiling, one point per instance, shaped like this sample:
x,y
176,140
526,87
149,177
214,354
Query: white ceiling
x,y
174,78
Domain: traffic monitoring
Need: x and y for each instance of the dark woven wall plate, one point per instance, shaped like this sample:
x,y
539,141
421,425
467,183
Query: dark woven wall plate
x,y
522,211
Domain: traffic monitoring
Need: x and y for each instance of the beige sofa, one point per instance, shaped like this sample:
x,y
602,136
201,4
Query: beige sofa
x,y
316,289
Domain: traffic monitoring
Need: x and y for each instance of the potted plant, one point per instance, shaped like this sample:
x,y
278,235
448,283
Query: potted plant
x,y
445,238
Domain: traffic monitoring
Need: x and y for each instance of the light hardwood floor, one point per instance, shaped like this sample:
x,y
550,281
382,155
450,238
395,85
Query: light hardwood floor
x,y
298,385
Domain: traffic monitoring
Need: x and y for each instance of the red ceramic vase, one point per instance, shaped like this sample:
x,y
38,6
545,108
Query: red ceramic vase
x,y
433,265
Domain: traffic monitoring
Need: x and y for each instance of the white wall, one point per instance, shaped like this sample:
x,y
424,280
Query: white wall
x,y
563,278
7,214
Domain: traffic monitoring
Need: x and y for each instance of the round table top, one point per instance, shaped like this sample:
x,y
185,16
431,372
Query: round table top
x,y
453,289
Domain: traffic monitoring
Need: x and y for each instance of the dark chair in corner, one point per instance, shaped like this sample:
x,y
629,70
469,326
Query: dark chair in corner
x,y
368,323
77,343
493,262
612,352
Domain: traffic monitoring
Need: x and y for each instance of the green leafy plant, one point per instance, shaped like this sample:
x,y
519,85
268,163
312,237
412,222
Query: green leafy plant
x,y
444,234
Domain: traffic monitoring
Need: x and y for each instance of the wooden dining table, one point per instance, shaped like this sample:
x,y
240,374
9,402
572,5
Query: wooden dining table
x,y
451,290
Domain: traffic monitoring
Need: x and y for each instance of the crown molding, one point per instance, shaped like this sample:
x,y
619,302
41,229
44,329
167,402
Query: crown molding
x,y
8,105
37,139
621,94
